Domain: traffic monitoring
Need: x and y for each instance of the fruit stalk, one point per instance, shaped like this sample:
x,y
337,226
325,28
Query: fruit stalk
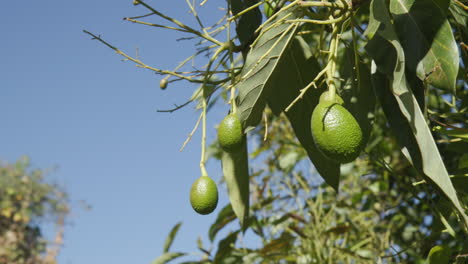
x,y
205,106
331,66
232,99
203,141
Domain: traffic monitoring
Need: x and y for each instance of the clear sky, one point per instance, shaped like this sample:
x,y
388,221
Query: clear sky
x,y
69,102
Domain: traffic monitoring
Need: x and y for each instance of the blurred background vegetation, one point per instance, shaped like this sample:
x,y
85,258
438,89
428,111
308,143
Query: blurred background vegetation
x,y
27,202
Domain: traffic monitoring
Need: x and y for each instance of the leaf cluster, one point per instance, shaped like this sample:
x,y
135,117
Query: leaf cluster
x,y
400,66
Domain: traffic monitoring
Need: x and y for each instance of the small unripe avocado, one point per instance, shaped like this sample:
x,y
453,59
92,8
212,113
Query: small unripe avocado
x,y
204,195
230,134
163,83
336,132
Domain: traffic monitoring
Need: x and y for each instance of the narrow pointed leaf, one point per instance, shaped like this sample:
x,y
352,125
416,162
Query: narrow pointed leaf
x,y
356,90
200,244
459,133
427,40
225,217
460,17
236,173
401,107
296,69
167,257
260,65
170,237
248,22
439,255
225,247
278,246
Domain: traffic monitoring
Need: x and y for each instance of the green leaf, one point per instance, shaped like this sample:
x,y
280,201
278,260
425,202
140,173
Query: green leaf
x,y
200,244
385,48
170,237
293,73
230,259
225,216
259,67
416,141
278,246
401,108
427,40
365,253
236,6
248,22
463,161
236,173
443,210
458,147
461,181
269,7
167,257
439,255
460,133
356,90
225,247
460,17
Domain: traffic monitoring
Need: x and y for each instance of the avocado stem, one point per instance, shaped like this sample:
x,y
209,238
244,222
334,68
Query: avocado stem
x,y
205,106
331,66
203,141
233,100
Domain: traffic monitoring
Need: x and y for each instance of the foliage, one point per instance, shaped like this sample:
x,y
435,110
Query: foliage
x,y
400,67
25,199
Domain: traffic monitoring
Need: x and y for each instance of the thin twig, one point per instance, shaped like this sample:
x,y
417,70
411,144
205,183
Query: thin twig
x,y
305,89
267,53
461,4
318,4
180,24
194,12
250,8
261,28
191,133
399,252
142,16
177,107
155,25
448,125
145,66
316,21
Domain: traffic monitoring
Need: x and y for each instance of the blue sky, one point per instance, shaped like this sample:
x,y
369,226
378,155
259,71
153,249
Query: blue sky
x,y
69,102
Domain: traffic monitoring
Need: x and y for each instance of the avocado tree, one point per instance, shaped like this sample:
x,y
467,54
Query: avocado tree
x,y
355,114
26,199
